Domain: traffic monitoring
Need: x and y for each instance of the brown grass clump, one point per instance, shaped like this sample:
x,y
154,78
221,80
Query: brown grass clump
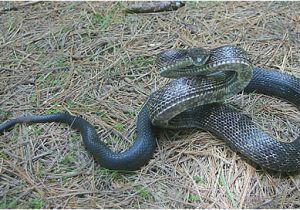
x,y
92,59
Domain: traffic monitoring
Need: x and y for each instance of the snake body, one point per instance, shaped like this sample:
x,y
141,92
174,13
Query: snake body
x,y
214,76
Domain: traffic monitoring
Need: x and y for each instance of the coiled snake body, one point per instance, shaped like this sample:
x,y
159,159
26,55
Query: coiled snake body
x,y
194,101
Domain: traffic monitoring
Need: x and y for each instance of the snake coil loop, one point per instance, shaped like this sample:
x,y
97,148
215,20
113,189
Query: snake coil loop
x,y
206,77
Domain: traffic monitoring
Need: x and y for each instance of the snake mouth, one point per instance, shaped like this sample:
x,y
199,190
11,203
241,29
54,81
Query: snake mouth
x,y
209,68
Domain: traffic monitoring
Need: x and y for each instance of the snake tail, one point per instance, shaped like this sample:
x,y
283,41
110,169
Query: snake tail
x,y
133,158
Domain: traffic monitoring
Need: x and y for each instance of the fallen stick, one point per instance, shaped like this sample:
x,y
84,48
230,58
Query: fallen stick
x,y
157,6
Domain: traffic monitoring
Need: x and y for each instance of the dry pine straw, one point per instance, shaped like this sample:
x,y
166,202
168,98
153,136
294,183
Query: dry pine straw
x,y
92,59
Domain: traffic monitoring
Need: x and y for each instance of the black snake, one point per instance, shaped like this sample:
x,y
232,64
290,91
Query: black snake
x,y
182,104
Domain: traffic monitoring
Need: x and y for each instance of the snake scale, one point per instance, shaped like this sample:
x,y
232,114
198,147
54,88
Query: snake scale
x,y
194,100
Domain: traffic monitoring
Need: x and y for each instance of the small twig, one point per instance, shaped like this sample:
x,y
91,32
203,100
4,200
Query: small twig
x,y
66,175
17,7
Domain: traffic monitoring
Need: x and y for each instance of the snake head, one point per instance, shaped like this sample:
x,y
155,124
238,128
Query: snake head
x,y
198,55
170,62
172,59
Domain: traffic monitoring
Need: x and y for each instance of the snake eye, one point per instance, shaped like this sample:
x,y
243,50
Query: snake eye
x,y
199,55
199,59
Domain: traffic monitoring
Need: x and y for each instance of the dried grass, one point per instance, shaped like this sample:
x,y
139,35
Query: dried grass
x,y
91,59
